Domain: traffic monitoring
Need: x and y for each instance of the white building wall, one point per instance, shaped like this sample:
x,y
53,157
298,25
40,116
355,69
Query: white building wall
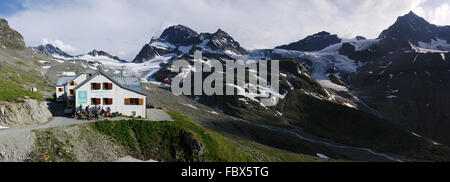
x,y
117,94
59,95
78,80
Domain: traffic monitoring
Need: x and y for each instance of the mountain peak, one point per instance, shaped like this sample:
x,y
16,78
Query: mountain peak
x,y
411,13
410,27
180,35
220,31
51,50
411,18
315,42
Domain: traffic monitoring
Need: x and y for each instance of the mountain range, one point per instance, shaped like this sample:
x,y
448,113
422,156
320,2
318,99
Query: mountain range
x,y
390,94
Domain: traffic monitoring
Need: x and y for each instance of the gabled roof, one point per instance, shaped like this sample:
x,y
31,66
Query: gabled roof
x,y
62,80
128,83
65,79
90,71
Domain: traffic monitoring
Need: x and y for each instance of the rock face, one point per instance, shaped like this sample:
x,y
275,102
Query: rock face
x,y
9,37
96,53
314,42
196,148
406,76
411,28
28,112
180,35
180,40
50,50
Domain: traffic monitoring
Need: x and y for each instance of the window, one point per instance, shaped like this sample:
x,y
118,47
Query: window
x,y
73,83
71,92
95,101
134,101
60,89
107,101
88,75
95,86
107,86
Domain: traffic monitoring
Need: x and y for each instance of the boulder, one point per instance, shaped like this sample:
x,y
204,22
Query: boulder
x,y
194,146
27,112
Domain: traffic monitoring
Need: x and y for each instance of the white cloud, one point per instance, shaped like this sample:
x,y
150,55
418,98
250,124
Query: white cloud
x,y
60,44
122,27
440,15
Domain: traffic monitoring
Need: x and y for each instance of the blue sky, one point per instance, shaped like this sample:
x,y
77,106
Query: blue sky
x,y
122,27
8,7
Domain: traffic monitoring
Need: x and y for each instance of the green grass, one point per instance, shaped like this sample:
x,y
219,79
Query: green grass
x,y
218,148
31,78
13,92
164,141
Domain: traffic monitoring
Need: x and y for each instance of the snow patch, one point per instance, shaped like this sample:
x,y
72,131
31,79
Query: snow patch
x,y
329,84
212,112
290,85
279,113
191,106
349,105
69,74
184,49
435,44
322,156
424,50
391,96
415,134
163,45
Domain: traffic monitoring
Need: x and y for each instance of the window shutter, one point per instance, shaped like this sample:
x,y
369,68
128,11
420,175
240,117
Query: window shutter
x,y
92,86
110,86
127,101
141,101
110,101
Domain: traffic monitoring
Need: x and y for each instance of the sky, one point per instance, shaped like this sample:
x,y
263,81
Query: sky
x,y
122,27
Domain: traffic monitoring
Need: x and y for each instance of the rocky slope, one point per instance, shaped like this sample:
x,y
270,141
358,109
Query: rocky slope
x,y
406,76
10,38
50,50
315,85
402,76
314,42
180,40
27,112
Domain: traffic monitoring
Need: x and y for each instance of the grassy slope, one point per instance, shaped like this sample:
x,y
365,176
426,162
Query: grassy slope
x,y
11,91
163,141
19,71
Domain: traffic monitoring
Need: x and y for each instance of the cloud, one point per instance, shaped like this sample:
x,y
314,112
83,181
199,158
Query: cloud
x,y
60,44
122,27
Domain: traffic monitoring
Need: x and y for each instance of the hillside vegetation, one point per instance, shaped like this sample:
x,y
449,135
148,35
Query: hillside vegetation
x,y
167,141
13,92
